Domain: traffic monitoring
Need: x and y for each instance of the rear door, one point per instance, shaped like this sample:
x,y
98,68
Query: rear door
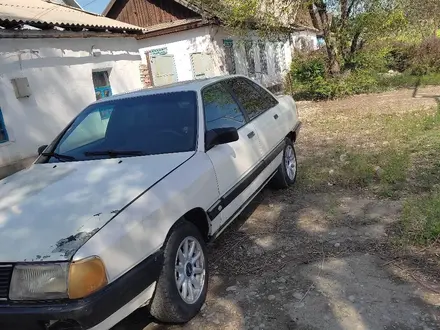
x,y
261,109
235,161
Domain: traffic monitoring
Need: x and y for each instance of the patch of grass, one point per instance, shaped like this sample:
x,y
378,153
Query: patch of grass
x,y
394,165
421,219
407,81
391,154
355,170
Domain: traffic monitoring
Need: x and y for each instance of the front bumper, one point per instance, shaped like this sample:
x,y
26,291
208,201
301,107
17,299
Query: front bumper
x,y
82,313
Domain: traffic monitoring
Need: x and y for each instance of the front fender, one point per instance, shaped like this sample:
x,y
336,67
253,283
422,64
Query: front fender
x,y
141,228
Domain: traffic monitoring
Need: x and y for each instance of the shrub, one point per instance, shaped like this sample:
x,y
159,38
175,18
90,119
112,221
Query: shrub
x,y
362,82
306,68
399,57
363,73
426,57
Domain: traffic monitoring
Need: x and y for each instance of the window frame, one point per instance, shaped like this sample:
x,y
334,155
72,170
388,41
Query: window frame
x,y
228,90
254,84
54,144
101,90
3,128
241,105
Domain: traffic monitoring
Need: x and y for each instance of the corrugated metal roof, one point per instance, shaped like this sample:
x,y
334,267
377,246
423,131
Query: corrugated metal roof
x,y
41,12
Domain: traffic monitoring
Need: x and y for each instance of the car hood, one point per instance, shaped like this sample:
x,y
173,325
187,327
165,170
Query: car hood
x,y
49,211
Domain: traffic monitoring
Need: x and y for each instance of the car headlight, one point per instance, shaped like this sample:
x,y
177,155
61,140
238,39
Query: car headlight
x,y
48,281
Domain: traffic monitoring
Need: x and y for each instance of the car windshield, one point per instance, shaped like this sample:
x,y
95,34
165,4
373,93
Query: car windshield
x,y
144,125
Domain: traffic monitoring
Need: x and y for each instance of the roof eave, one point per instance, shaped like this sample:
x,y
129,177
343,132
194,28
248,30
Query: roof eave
x,y
173,29
36,34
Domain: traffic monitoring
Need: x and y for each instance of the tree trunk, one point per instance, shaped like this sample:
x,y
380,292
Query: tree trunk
x,y
334,66
330,44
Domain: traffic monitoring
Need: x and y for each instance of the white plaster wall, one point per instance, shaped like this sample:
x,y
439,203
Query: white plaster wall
x,y
60,78
210,40
272,77
182,45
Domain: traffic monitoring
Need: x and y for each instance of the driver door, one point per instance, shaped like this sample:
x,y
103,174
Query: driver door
x,y
233,162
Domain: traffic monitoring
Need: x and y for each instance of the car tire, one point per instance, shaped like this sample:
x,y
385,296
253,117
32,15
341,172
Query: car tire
x,y
287,171
168,304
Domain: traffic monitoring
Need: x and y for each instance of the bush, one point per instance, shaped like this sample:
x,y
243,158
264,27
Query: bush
x,y
362,82
306,68
426,57
419,64
399,57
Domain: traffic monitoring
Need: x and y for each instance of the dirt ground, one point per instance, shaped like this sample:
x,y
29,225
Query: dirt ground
x,y
298,259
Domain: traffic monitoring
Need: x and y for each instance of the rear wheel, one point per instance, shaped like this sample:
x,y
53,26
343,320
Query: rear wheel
x,y
183,283
286,173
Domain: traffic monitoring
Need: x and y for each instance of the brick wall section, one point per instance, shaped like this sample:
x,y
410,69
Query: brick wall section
x,y
145,75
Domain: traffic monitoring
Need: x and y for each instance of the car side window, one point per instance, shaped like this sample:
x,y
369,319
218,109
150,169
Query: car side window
x,y
220,108
269,100
250,98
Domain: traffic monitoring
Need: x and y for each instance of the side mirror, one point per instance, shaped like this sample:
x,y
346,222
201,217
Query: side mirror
x,y
219,136
41,149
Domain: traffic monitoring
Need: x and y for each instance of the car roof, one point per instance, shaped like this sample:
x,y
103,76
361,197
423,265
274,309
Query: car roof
x,y
189,85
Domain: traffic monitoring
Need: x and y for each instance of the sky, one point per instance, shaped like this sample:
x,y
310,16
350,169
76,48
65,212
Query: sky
x,y
95,6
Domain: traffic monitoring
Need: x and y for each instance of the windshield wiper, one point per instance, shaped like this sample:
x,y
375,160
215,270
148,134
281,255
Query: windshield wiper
x,y
58,156
114,153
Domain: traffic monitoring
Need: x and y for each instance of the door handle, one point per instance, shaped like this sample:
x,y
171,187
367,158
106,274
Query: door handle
x,y
251,135
276,116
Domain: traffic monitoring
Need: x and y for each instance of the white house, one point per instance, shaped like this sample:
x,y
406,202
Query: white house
x,y
54,61
183,41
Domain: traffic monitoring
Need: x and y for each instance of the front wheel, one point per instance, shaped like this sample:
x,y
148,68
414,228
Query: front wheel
x,y
182,286
286,173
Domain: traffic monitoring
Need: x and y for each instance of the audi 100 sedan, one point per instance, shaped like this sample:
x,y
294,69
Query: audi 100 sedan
x,y
116,212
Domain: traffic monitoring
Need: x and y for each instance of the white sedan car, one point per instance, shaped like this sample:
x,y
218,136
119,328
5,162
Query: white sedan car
x,y
116,212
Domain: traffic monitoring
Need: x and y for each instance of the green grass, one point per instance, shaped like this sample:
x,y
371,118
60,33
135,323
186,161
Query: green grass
x,y
408,81
386,170
421,219
402,163
333,88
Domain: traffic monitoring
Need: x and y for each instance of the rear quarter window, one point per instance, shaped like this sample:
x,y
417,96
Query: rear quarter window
x,y
254,99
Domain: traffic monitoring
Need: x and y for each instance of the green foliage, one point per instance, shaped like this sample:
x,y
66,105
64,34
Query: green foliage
x,y
399,56
407,80
367,71
309,67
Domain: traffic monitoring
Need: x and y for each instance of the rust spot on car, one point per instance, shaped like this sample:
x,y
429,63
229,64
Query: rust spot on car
x,y
69,245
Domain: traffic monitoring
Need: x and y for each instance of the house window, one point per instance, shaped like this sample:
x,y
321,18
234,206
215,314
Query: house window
x,y
101,82
250,57
3,133
228,46
263,56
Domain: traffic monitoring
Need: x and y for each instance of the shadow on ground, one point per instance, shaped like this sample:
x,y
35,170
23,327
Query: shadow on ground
x,y
309,261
